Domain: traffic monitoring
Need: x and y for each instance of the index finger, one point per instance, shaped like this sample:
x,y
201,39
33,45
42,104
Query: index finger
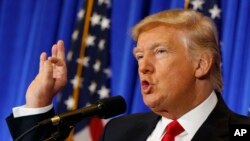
x,y
43,58
60,50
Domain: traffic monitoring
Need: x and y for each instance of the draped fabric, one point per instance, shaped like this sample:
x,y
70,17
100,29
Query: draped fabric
x,y
29,27
236,54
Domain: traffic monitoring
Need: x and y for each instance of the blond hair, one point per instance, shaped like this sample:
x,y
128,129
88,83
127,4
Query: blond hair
x,y
200,31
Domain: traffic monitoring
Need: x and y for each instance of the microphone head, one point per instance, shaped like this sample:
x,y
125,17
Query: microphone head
x,y
110,107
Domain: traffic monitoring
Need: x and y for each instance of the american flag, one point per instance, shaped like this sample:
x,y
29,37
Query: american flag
x,y
88,66
210,8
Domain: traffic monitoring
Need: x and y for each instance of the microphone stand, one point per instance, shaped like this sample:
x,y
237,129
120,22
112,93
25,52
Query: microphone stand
x,y
61,134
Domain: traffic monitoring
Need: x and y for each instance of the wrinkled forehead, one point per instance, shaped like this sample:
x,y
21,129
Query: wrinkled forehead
x,y
160,34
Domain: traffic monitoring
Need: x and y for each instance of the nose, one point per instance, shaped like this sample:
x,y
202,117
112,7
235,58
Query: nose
x,y
146,66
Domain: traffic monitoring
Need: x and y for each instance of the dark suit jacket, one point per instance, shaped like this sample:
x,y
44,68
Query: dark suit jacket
x,y
137,127
17,126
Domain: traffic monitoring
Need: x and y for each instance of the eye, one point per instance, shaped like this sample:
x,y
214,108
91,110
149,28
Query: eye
x,y
160,51
138,56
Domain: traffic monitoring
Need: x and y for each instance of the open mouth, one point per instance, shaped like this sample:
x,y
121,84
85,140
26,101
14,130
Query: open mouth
x,y
145,86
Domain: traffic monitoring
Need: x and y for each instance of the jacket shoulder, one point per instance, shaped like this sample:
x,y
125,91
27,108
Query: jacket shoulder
x,y
239,119
134,127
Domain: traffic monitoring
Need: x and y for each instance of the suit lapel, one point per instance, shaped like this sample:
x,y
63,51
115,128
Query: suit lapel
x,y
215,127
144,128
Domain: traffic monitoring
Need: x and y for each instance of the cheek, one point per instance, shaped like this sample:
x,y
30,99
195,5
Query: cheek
x,y
174,76
167,74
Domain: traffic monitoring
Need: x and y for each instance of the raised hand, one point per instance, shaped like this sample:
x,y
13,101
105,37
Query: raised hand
x,y
51,78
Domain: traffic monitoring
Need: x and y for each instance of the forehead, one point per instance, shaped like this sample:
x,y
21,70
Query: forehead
x,y
161,34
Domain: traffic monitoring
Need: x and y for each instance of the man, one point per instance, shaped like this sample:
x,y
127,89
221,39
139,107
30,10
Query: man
x,y
179,68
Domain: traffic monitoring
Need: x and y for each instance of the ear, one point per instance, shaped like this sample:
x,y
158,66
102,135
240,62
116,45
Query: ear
x,y
204,64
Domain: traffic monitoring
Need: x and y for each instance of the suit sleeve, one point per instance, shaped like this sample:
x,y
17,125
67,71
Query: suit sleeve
x,y
19,125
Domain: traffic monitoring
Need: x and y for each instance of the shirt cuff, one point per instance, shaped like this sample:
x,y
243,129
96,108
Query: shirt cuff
x,y
23,111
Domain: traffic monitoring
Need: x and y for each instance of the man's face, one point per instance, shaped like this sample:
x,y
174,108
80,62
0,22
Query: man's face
x,y
166,72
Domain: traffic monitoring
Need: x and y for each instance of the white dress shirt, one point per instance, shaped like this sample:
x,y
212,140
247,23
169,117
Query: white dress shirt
x,y
24,111
191,121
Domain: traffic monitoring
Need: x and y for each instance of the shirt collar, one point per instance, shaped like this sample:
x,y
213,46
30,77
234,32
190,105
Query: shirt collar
x,y
193,120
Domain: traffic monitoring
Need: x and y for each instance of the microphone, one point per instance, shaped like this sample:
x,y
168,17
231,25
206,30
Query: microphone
x,y
104,108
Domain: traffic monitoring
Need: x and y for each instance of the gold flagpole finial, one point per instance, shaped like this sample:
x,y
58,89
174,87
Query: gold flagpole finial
x,y
187,2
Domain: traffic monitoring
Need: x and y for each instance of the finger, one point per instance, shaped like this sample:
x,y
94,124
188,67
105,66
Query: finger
x,y
60,50
59,70
54,50
48,70
43,57
56,61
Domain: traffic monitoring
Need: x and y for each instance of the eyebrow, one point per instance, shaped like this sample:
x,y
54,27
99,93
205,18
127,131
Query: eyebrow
x,y
152,47
135,50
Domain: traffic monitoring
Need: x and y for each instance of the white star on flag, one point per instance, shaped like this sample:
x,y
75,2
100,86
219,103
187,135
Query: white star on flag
x,y
97,66
107,2
107,71
197,4
103,92
69,55
90,40
70,103
76,82
215,12
101,44
92,87
80,14
84,61
75,35
95,19
105,23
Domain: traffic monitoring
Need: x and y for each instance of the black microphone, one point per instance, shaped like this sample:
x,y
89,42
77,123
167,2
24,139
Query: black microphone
x,y
104,108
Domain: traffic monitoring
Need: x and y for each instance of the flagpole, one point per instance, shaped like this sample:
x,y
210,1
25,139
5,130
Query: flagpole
x,y
81,56
82,51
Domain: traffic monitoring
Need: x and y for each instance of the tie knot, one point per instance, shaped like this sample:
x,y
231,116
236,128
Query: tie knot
x,y
173,129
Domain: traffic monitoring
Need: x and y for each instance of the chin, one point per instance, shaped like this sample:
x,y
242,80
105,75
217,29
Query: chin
x,y
151,103
152,100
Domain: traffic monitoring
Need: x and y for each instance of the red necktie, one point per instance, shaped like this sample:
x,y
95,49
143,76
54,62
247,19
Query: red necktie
x,y
173,129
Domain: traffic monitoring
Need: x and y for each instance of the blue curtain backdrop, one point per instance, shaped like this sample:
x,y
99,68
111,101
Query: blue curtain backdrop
x,y
28,27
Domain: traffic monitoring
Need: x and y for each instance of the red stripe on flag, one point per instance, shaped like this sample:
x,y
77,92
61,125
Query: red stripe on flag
x,y
96,127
